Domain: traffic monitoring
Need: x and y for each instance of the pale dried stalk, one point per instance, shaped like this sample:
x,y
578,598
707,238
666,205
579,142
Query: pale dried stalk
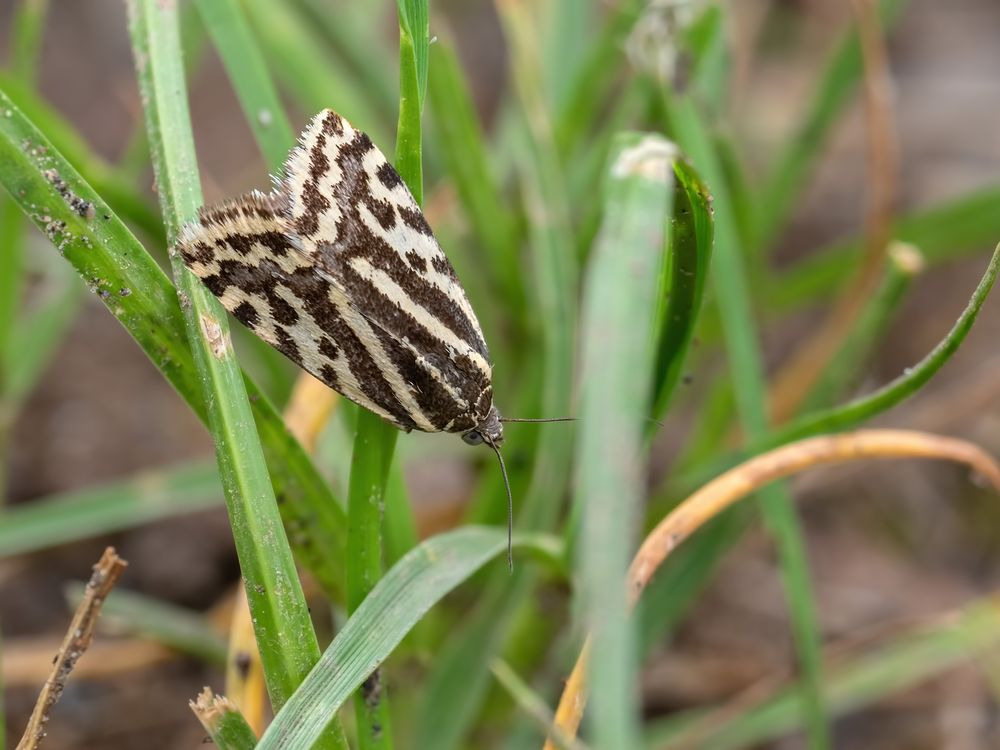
x,y
792,383
106,573
742,481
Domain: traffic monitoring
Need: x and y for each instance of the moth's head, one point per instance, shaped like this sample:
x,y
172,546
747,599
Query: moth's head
x,y
490,430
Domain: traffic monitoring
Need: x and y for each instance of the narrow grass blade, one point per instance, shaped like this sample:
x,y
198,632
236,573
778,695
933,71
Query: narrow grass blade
x,y
533,705
375,440
593,83
12,231
134,289
358,44
46,522
464,152
910,659
248,73
746,373
618,354
285,637
460,676
567,30
181,629
118,192
27,32
223,722
832,92
395,605
949,231
685,272
38,333
306,70
903,264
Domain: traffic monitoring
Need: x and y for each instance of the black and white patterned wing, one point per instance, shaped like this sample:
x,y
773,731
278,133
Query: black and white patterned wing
x,y
243,254
356,221
338,270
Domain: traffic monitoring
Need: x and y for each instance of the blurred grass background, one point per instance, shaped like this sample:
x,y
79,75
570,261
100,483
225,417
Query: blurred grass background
x,y
754,633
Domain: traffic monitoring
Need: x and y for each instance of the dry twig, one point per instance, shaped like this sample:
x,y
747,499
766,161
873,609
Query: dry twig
x,y
106,573
742,481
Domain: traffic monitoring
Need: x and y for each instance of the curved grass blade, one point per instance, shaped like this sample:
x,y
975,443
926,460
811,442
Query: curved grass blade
x,y
903,264
78,515
395,605
913,378
135,290
686,269
285,637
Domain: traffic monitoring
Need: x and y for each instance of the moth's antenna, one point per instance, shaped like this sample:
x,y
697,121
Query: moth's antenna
x,y
510,505
545,419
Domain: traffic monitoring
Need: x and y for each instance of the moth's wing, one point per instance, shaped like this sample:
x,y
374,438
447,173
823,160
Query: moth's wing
x,y
355,219
243,254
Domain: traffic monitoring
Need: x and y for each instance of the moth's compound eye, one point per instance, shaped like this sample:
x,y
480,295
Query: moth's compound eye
x,y
473,437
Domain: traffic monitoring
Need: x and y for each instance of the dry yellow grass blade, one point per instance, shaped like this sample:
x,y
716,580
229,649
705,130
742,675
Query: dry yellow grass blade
x,y
742,481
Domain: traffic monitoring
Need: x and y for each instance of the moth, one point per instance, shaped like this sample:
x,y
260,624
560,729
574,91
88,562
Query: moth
x,y
338,270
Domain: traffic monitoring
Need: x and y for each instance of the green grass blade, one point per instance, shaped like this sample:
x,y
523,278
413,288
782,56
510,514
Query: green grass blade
x,y
375,440
226,726
27,32
686,271
533,705
180,629
594,81
134,289
12,231
245,66
833,91
147,497
903,264
464,152
460,677
414,25
39,332
950,230
910,659
359,44
285,637
618,354
306,70
567,30
395,605
913,378
733,300
119,192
